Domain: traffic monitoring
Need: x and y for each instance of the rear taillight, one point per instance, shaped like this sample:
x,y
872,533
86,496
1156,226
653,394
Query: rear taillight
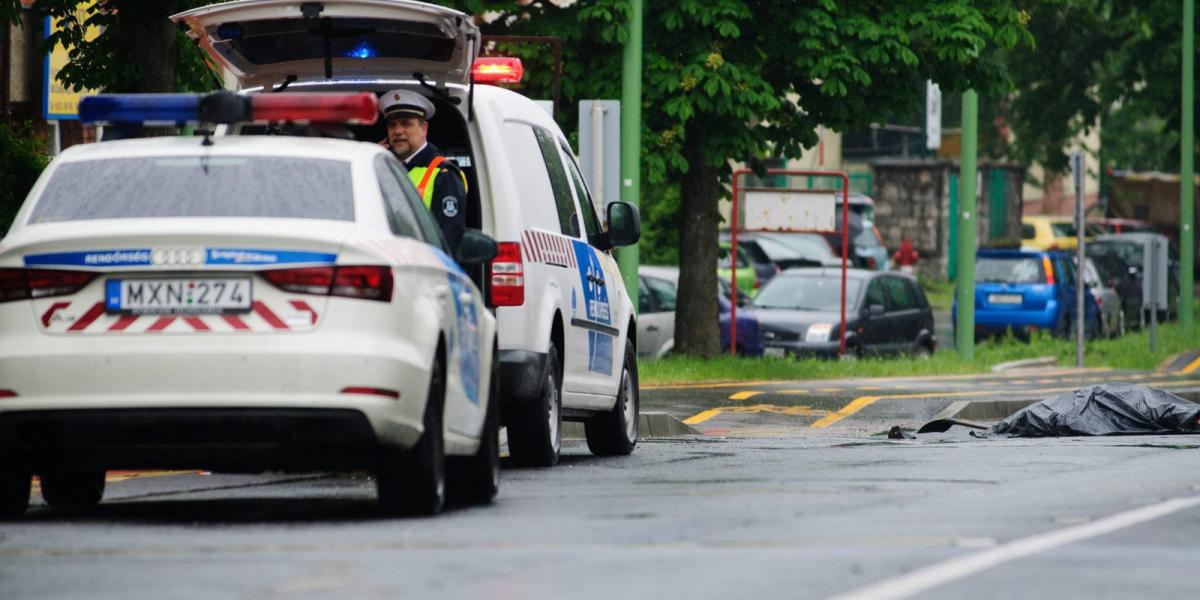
x,y
24,284
506,275
1049,268
7,394
871,262
365,282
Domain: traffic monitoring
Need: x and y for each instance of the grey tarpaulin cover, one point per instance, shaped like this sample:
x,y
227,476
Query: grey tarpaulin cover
x,y
1105,409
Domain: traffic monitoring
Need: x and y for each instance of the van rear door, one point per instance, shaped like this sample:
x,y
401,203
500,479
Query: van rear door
x,y
262,42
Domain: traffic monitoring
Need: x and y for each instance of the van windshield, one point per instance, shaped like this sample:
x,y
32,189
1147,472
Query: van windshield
x,y
198,186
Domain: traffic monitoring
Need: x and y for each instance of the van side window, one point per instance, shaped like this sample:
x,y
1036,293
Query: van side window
x,y
522,157
558,181
591,224
401,217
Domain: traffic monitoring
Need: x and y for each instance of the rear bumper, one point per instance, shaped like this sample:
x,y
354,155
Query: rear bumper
x,y
222,439
231,373
1000,319
521,375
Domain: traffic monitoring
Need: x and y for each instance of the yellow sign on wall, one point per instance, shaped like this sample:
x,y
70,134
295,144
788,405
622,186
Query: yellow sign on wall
x,y
62,102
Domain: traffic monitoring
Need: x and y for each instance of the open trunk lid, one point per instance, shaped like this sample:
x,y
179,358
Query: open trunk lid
x,y
262,42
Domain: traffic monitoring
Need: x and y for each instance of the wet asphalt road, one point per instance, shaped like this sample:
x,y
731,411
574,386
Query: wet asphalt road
x,y
764,506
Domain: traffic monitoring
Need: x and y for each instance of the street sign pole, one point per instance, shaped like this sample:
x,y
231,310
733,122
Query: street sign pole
x,y
1187,148
1080,268
965,281
631,136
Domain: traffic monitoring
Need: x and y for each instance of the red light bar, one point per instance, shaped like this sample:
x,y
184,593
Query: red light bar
x,y
359,108
497,69
372,391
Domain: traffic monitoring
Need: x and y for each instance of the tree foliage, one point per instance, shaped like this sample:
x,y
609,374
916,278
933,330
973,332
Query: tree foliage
x,y
21,162
740,80
138,48
1099,63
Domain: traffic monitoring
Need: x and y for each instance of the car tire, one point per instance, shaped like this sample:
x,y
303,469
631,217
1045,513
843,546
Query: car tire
x,y
535,429
14,492
413,482
615,432
1063,328
73,489
476,479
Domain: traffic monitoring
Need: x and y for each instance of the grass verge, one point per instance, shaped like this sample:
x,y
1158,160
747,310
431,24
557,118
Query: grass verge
x,y
1131,351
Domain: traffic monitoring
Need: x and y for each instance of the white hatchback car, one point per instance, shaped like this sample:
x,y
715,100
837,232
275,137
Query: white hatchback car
x,y
567,329
241,306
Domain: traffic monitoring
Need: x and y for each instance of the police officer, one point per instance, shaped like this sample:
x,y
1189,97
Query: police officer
x,y
438,180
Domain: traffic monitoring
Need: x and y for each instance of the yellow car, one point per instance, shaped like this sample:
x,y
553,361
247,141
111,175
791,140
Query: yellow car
x,y
1045,232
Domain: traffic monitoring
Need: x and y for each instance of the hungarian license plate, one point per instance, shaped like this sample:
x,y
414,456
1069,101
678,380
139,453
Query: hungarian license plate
x,y
769,351
1004,299
178,295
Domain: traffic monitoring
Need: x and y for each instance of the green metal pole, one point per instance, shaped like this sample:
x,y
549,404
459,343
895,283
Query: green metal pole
x,y
631,137
1187,149
965,288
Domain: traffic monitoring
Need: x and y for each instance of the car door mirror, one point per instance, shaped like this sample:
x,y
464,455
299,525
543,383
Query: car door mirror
x,y
874,310
624,224
475,247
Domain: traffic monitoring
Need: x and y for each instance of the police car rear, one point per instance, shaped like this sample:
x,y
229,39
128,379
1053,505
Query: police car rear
x,y
239,305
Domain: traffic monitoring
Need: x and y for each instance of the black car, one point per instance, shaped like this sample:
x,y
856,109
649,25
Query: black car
x,y
799,313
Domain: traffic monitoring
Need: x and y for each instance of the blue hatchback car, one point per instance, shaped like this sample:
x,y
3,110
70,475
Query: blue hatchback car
x,y
1027,290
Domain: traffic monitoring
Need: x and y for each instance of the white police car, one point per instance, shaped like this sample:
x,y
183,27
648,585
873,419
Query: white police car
x,y
566,324
240,304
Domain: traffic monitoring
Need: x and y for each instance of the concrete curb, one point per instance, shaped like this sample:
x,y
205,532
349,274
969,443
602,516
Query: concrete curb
x,y
650,425
1179,362
1028,363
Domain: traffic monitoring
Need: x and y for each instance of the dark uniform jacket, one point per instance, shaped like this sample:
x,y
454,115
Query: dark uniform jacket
x,y
448,200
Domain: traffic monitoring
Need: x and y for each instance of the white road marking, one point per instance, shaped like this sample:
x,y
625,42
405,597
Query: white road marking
x,y
927,578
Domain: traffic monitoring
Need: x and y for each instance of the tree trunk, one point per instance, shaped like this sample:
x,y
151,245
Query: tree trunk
x,y
696,324
150,37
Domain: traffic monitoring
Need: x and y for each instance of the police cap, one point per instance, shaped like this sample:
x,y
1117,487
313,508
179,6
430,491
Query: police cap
x,y
405,103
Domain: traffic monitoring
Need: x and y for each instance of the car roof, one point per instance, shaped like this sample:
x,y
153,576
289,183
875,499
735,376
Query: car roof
x,y
254,145
1013,252
831,272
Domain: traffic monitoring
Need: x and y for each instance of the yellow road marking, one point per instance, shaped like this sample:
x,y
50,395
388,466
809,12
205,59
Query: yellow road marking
x,y
1192,366
864,401
793,392
855,406
869,388
829,390
702,417
744,395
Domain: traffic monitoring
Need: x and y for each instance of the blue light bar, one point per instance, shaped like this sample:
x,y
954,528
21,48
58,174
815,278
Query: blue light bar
x,y
363,50
140,108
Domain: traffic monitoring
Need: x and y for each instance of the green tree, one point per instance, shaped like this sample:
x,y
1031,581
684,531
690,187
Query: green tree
x,y
139,49
743,79
1106,63
21,162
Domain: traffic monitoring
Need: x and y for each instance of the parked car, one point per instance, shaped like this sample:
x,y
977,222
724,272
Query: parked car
x,y
788,249
764,267
747,278
1113,225
1024,291
1117,274
1134,248
1048,232
1107,299
867,250
656,315
799,313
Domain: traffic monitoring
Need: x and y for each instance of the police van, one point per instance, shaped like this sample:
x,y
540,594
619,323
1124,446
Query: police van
x,y
566,326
